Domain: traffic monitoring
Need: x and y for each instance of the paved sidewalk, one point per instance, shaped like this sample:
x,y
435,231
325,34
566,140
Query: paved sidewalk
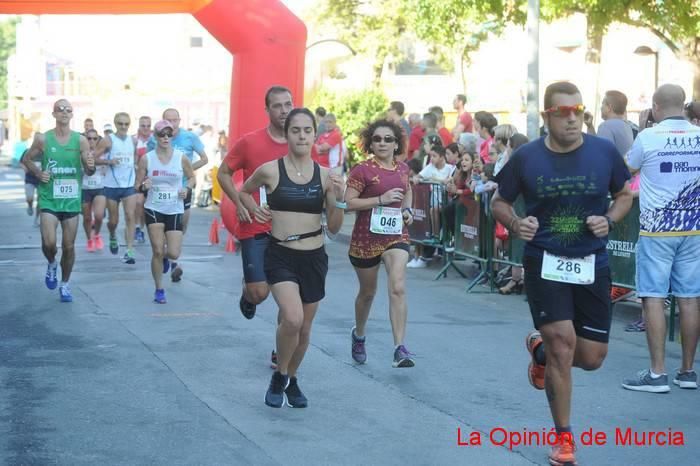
x,y
116,379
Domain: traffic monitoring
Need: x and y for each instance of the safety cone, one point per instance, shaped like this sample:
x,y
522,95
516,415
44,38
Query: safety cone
x,y
214,232
230,244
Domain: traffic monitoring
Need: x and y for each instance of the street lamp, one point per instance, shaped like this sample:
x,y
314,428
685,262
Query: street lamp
x,y
333,40
645,51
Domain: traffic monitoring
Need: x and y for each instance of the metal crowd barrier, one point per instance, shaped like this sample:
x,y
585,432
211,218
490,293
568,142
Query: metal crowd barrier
x,y
474,235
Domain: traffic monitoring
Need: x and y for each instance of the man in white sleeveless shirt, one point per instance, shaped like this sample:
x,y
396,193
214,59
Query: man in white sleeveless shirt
x,y
119,154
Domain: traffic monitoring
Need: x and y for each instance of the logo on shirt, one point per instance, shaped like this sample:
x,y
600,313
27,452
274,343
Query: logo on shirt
x,y
52,166
677,167
164,173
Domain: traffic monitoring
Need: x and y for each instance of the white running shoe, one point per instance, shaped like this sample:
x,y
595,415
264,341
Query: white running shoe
x,y
417,264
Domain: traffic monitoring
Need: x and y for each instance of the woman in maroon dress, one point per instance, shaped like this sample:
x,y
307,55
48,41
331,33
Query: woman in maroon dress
x,y
380,192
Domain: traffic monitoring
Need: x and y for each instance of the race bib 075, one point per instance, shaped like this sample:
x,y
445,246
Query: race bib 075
x,y
65,189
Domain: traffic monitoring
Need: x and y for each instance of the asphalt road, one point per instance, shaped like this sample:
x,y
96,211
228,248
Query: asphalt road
x,y
113,378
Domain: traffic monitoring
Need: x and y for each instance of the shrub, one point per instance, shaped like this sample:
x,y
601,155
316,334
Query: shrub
x,y
353,111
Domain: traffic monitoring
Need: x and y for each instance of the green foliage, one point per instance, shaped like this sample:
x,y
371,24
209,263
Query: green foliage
x,y
353,111
7,48
371,27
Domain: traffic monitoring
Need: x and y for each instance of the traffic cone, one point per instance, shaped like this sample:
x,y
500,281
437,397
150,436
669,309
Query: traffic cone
x,y
214,232
230,244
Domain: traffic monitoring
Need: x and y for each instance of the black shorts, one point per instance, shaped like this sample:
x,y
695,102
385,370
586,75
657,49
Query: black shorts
x,y
361,263
188,199
587,306
90,194
31,179
253,257
172,222
61,216
307,269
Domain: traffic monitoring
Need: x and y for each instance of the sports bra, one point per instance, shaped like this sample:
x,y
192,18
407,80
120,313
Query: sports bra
x,y
291,197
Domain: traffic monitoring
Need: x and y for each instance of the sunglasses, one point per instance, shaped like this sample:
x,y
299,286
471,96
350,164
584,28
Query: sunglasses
x,y
387,139
63,109
164,134
565,110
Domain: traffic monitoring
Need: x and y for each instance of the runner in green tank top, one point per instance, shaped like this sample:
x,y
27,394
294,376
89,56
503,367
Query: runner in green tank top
x,y
66,155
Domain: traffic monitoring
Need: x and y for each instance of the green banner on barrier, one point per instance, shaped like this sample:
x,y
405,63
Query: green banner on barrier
x,y
467,226
622,244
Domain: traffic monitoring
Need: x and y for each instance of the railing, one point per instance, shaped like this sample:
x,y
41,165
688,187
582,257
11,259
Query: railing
x,y
474,235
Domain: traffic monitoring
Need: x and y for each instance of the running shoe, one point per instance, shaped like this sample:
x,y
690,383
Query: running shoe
x,y
636,326
50,279
535,372
66,296
357,348
295,399
139,237
686,379
30,211
99,244
166,265
417,263
562,453
402,357
176,274
90,245
644,382
113,245
275,392
273,360
247,308
129,257
160,296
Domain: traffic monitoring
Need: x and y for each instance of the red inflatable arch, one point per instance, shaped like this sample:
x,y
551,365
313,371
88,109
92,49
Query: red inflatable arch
x,y
267,40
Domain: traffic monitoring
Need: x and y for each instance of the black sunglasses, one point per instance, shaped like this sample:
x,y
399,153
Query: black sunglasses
x,y
163,134
388,139
63,109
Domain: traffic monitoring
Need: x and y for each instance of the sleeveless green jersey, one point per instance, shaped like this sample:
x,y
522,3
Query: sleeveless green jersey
x,y
63,192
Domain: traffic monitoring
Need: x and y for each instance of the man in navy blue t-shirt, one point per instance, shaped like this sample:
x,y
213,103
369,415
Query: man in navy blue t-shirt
x,y
565,179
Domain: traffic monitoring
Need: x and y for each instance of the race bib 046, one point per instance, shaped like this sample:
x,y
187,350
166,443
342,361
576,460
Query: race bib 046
x,y
386,221
65,189
578,271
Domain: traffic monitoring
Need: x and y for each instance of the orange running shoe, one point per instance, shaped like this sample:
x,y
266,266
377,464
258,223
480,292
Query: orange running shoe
x,y
535,372
562,453
91,245
99,244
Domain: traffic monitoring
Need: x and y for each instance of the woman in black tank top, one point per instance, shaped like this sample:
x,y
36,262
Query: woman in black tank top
x,y
296,192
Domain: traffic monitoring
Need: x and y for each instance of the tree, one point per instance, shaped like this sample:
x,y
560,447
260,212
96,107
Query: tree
x,y
7,48
369,26
675,22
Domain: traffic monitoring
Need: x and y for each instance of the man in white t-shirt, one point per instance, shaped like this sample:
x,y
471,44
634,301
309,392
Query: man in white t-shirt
x,y
668,158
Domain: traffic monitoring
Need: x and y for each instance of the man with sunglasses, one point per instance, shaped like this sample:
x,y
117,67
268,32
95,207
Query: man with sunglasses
x,y
65,156
118,152
143,134
188,143
565,178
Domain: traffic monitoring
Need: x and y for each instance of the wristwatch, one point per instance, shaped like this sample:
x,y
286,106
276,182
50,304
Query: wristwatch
x,y
611,223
